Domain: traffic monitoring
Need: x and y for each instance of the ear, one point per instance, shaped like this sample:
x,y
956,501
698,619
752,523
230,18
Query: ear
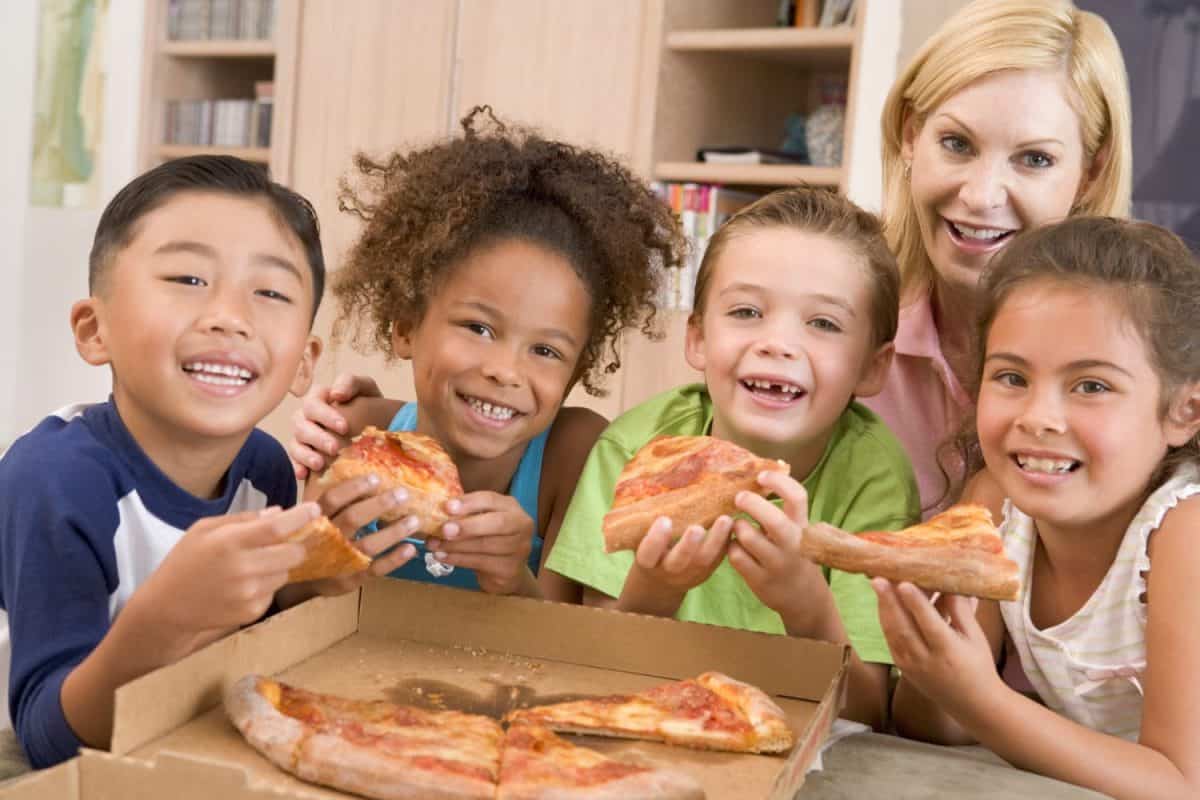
x,y
693,343
402,341
908,136
875,371
308,366
88,327
1183,417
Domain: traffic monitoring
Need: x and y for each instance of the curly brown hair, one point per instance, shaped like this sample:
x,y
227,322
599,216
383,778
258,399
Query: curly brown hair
x,y
427,210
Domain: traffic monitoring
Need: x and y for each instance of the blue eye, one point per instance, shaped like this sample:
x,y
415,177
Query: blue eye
x,y
955,144
1036,159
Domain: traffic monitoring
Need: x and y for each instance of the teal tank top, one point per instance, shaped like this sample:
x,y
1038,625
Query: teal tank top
x,y
524,488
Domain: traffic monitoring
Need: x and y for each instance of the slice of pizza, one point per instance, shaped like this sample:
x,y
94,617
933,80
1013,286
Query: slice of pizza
x,y
958,551
709,712
691,479
537,765
402,459
330,554
372,748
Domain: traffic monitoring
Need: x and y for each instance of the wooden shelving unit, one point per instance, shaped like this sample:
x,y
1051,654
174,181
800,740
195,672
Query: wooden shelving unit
x,y
218,69
727,79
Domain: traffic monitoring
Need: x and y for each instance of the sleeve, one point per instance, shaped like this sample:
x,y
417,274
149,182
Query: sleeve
x,y
578,551
57,574
271,471
883,497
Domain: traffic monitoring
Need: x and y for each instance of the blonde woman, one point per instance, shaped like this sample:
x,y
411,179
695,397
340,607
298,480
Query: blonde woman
x,y
1013,115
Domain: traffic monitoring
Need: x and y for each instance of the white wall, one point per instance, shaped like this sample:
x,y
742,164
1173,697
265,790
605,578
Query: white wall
x,y
45,268
876,69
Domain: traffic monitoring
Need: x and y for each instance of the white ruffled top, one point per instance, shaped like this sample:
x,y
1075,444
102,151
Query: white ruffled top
x,y
1089,667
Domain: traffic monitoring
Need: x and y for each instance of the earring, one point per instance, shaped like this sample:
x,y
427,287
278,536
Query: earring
x,y
907,170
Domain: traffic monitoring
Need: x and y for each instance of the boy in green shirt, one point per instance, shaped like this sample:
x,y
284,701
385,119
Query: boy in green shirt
x,y
797,301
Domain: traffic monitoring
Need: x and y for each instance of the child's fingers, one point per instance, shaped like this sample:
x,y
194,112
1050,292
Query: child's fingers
x,y
305,457
716,543
776,525
655,544
501,544
346,387
960,611
741,560
934,629
273,528
685,552
493,522
312,429
758,545
209,523
275,559
387,537
795,498
479,503
903,637
393,560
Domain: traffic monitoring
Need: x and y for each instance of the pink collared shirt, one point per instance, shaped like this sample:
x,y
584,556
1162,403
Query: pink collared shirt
x,y
922,401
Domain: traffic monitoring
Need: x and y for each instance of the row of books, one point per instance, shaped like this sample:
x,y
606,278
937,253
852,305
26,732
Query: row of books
x,y
701,208
814,13
220,19
221,123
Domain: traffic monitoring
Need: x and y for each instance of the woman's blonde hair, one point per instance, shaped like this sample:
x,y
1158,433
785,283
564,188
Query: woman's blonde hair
x,y
988,36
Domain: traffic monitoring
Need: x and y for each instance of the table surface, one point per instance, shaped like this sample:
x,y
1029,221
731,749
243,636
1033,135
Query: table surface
x,y
869,765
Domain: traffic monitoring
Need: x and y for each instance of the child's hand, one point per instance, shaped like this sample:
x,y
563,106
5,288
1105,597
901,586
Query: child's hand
x,y
319,429
939,646
769,559
690,561
491,534
353,504
224,571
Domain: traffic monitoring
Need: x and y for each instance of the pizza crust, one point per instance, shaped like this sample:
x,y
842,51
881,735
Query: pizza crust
x,y
772,732
939,568
330,554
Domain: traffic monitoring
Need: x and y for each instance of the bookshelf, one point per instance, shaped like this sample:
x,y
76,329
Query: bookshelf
x,y
189,71
728,77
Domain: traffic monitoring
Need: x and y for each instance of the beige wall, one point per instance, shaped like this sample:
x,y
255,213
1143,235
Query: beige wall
x,y
920,19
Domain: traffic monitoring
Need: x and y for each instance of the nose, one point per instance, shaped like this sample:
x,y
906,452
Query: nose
x,y
777,342
226,313
501,368
1042,415
985,185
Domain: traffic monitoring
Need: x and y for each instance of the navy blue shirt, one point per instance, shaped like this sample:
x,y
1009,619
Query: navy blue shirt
x,y
85,518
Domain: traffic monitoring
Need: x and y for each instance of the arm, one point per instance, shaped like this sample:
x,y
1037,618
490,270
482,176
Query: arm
x,y
915,715
330,416
947,663
574,434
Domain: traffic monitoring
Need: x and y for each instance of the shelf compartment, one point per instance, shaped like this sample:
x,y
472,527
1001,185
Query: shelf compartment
x,y
747,174
219,48
259,155
824,47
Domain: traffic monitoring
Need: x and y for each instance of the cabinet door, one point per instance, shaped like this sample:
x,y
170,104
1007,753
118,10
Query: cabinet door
x,y
579,71
371,76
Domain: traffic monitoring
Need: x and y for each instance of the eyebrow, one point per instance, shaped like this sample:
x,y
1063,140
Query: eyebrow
x,y
1030,143
1084,363
207,251
832,299
495,313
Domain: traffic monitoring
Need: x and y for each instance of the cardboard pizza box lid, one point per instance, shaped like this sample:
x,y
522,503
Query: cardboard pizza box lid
x,y
93,775
439,647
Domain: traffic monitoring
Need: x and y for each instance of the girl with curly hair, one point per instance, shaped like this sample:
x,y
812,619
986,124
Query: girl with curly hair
x,y
504,266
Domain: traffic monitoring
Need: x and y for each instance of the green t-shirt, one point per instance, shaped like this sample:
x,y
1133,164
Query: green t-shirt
x,y
862,482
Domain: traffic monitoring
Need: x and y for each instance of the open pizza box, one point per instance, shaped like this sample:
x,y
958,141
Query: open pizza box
x,y
444,648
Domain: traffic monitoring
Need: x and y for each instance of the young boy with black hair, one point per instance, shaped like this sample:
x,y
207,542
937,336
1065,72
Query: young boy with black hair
x,y
135,531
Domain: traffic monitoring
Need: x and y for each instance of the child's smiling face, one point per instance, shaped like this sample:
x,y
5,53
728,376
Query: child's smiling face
x,y
1069,414
497,349
204,316
785,340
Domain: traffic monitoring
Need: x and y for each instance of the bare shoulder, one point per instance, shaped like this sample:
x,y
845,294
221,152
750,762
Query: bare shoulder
x,y
572,435
575,427
1176,537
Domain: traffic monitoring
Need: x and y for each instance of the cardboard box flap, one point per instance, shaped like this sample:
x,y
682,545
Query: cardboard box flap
x,y
57,783
167,698
596,637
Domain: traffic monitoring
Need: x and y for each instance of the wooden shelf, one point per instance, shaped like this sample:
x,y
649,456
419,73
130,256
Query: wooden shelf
x,y
220,48
808,46
261,155
747,174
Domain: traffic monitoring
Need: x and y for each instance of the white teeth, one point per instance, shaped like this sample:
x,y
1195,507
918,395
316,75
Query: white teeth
x,y
497,412
987,234
790,388
1047,465
230,370
219,380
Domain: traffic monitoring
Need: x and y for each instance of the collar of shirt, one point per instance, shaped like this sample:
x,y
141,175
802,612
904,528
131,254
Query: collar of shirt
x,y
917,337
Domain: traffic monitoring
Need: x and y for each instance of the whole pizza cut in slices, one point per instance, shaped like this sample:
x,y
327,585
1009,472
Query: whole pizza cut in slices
x,y
330,554
710,712
535,764
958,551
405,459
372,748
691,479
